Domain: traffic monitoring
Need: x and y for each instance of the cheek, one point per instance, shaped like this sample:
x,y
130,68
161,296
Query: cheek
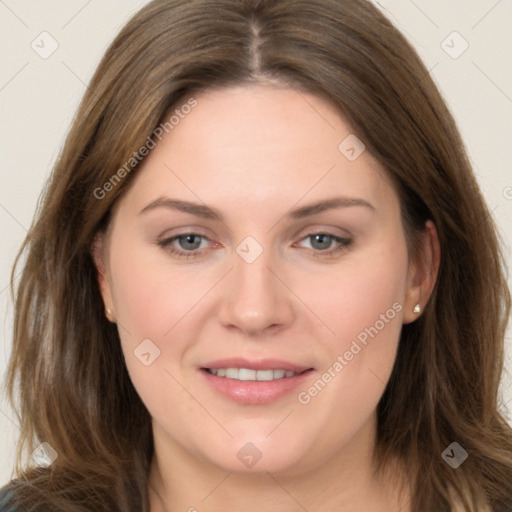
x,y
151,297
151,303
364,308
366,290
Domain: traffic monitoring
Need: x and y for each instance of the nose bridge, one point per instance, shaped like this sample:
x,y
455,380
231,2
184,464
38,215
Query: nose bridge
x,y
254,299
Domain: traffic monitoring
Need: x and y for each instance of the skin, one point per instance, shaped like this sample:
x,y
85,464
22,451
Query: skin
x,y
254,153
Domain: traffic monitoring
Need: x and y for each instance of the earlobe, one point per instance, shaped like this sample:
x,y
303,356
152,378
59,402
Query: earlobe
x,y
98,256
422,274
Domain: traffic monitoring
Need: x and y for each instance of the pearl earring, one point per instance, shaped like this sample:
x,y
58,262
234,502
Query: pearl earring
x,y
108,314
417,308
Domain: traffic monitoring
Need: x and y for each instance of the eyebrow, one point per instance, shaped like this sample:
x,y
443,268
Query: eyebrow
x,y
207,212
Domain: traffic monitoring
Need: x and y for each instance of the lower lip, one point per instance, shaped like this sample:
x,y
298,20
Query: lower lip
x,y
255,392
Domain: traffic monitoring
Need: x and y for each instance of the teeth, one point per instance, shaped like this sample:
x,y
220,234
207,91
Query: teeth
x,y
253,375
264,375
279,374
232,373
245,374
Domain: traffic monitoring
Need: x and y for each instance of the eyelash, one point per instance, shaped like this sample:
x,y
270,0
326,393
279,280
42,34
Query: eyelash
x,y
344,245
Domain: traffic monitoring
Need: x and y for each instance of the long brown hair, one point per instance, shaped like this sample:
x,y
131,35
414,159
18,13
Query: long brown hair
x,y
67,376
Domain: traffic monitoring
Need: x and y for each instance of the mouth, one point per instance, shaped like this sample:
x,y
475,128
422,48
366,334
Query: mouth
x,y
254,383
246,374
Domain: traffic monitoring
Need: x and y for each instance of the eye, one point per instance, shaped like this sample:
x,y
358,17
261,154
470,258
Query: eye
x,y
322,244
188,245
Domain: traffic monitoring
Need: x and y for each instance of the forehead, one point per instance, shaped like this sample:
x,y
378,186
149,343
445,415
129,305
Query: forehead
x,y
258,145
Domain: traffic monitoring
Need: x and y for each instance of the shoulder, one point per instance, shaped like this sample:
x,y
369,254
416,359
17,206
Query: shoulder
x,y
11,499
6,499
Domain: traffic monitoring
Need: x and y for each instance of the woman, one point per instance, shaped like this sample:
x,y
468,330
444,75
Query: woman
x,y
184,340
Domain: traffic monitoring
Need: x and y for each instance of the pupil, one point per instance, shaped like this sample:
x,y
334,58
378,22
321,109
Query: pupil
x,y
323,238
189,239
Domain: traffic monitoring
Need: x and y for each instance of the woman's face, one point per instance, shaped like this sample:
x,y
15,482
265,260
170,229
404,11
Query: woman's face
x,y
258,272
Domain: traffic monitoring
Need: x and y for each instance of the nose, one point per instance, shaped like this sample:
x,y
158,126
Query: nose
x,y
255,298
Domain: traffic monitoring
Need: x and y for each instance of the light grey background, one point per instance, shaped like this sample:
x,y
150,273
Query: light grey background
x,y
38,97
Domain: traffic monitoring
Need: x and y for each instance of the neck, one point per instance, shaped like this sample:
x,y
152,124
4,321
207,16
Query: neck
x,y
345,482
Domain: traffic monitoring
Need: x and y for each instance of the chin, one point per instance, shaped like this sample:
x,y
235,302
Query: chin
x,y
263,455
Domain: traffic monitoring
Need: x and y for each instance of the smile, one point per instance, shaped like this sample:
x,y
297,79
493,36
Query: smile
x,y
247,374
255,386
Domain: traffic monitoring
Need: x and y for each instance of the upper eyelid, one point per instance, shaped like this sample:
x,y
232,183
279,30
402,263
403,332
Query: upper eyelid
x,y
331,230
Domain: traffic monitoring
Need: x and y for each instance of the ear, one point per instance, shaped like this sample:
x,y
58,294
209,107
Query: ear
x,y
422,273
98,252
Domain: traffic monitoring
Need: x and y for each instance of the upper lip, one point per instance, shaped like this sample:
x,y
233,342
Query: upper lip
x,y
261,364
